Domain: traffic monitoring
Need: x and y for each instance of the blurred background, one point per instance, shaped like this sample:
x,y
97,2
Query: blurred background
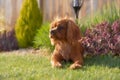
x,y
9,9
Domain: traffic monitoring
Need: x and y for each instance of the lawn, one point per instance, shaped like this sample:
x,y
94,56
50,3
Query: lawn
x,y
30,66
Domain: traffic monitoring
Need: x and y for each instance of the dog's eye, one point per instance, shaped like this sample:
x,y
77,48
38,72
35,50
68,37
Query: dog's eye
x,y
60,28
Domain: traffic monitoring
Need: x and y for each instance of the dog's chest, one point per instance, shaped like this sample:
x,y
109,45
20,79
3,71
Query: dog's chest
x,y
65,51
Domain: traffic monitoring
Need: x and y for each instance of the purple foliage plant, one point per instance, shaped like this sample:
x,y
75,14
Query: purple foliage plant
x,y
102,39
8,41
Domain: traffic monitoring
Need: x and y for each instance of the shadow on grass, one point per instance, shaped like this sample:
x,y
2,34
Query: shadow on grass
x,y
104,60
101,61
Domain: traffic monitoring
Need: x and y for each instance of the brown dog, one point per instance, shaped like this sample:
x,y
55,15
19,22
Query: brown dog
x,y
64,34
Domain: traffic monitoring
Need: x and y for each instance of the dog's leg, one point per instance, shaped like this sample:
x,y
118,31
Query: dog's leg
x,y
56,60
77,64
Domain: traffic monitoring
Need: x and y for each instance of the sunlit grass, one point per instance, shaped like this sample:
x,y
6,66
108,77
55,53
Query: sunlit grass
x,y
38,67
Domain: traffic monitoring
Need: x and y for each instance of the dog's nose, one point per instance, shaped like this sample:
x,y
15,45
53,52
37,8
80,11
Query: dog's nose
x,y
52,32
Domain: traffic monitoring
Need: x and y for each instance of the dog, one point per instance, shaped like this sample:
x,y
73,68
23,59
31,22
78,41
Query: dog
x,y
65,35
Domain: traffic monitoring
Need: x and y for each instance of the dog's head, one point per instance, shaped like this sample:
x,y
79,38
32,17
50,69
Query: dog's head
x,y
64,30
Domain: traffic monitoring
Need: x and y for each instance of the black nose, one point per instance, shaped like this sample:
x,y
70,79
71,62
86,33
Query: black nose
x,y
52,32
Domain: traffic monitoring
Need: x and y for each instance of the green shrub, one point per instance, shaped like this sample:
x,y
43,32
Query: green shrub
x,y
108,13
29,21
42,37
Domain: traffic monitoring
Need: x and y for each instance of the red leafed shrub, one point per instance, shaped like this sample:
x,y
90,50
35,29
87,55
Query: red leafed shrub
x,y
114,42
102,39
8,41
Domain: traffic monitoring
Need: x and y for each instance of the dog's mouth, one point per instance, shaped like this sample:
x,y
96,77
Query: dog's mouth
x,y
51,36
54,37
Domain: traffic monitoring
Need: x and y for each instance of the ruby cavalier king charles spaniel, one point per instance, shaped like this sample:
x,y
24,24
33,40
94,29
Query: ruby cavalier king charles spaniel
x,y
65,35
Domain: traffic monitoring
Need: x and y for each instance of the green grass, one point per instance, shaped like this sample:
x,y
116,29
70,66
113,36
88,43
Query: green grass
x,y
38,67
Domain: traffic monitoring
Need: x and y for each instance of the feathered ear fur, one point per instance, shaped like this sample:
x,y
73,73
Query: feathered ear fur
x,y
73,32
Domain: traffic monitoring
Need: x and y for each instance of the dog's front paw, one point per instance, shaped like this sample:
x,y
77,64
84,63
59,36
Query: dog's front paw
x,y
75,66
56,65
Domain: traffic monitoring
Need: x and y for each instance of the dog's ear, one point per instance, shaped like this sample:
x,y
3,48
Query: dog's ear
x,y
73,32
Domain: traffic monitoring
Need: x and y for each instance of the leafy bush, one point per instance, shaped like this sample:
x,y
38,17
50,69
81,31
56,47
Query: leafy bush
x,y
114,42
103,38
8,40
29,21
100,36
95,40
42,37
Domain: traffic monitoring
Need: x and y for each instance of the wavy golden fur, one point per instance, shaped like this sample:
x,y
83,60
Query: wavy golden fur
x,y
65,36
